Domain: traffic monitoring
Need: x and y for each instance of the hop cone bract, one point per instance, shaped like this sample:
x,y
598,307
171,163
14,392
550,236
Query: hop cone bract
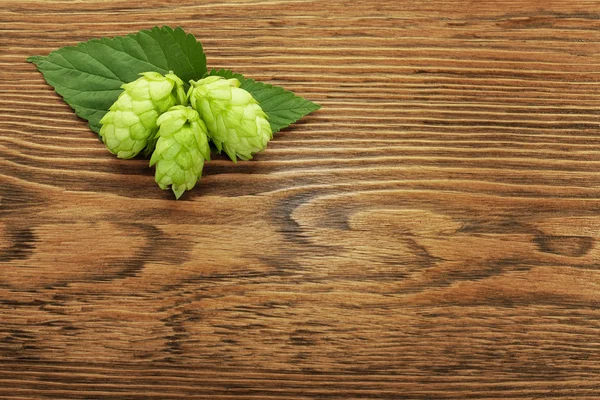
x,y
181,149
235,121
130,124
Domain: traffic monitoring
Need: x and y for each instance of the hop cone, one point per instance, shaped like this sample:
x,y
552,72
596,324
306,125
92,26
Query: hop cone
x,y
130,123
181,149
235,121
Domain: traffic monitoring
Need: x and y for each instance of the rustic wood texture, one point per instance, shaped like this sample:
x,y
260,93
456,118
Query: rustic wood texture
x,y
431,233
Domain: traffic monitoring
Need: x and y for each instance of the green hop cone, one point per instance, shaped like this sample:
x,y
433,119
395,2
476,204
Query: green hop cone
x,y
235,121
181,149
130,124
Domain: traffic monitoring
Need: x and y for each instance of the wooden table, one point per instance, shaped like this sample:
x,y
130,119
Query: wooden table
x,y
430,233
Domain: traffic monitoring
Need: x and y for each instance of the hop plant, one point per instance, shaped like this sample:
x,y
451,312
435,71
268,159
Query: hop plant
x,y
227,115
235,121
131,122
181,149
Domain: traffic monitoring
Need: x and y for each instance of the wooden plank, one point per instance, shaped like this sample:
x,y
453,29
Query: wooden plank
x,y
430,233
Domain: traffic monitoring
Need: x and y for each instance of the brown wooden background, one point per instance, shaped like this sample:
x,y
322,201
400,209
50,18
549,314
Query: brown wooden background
x,y
430,233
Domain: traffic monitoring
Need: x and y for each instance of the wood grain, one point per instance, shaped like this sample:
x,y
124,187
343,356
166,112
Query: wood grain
x,y
431,233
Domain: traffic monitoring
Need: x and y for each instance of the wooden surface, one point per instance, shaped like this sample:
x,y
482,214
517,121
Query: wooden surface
x,y
431,233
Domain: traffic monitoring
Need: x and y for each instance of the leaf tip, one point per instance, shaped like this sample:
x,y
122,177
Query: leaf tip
x,y
34,59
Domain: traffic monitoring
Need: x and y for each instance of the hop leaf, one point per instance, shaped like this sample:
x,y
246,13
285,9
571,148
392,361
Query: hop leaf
x,y
131,122
236,123
181,149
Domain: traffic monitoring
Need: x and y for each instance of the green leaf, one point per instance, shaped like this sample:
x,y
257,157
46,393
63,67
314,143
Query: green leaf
x,y
282,106
89,75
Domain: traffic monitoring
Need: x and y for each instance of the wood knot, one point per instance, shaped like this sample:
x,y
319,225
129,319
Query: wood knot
x,y
570,246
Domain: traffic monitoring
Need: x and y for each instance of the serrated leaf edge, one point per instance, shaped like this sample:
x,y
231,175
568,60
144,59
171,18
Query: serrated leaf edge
x,y
311,106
